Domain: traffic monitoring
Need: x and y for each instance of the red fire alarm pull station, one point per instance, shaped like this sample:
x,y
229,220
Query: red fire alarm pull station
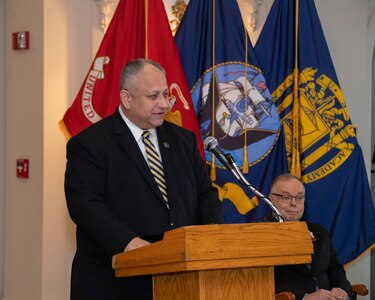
x,y
22,168
21,40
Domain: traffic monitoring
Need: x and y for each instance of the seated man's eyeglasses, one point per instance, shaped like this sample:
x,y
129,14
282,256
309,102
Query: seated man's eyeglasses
x,y
289,198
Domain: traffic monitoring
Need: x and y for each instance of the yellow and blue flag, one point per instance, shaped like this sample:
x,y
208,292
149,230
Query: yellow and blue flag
x,y
321,142
232,102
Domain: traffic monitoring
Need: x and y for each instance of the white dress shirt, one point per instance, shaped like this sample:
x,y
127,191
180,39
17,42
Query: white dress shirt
x,y
137,133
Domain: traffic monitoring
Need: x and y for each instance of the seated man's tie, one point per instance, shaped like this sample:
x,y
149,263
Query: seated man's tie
x,y
155,165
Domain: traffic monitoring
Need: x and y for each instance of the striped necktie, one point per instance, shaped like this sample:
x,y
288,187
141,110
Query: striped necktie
x,y
155,165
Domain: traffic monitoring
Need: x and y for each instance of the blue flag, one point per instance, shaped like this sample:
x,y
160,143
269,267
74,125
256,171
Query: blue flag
x,y
232,102
320,140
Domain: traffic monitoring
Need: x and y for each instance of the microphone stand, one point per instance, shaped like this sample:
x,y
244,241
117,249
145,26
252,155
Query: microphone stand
x,y
237,173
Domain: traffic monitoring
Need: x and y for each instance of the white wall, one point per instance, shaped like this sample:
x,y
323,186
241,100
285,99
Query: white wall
x,y
24,139
2,142
55,79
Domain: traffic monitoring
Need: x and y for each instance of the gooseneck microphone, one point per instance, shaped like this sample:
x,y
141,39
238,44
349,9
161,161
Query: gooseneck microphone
x,y
211,144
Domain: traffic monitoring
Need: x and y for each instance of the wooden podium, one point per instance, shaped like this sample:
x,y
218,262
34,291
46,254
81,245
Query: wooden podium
x,y
211,262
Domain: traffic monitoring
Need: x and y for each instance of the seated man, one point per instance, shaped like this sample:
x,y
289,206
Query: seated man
x,y
325,277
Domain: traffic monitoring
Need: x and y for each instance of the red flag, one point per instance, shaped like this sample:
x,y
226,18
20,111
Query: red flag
x,y
127,39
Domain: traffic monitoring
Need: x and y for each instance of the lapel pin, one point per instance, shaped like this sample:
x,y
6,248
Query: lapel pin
x,y
166,145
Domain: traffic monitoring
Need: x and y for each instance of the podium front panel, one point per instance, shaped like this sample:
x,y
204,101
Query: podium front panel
x,y
230,284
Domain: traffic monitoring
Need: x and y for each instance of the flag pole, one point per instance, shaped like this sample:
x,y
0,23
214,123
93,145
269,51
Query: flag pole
x,y
296,165
146,29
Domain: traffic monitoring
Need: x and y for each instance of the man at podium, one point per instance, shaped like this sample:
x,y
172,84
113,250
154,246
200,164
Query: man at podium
x,y
325,277
129,178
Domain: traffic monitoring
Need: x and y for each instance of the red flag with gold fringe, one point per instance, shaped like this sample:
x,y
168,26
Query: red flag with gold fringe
x,y
139,29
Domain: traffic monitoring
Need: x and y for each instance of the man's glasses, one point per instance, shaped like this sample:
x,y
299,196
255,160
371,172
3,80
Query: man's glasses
x,y
289,198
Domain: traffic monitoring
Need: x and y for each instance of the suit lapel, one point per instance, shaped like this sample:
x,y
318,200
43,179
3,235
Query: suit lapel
x,y
166,147
129,145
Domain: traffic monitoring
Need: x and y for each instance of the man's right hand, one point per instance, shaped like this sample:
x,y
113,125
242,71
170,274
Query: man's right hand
x,y
136,243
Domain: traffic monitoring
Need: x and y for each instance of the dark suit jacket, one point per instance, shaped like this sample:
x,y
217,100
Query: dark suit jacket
x,y
325,271
112,197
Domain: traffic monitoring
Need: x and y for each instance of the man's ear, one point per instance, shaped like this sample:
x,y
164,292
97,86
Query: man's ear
x,y
125,98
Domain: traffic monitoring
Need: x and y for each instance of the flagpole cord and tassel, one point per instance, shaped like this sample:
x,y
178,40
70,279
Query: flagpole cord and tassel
x,y
296,165
213,167
245,163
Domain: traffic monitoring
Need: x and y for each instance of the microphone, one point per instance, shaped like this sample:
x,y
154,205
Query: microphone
x,y
211,144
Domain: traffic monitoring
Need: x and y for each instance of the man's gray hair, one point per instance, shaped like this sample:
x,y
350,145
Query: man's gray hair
x,y
284,177
133,67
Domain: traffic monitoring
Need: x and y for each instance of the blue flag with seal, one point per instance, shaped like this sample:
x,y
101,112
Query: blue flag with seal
x,y
321,142
232,102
